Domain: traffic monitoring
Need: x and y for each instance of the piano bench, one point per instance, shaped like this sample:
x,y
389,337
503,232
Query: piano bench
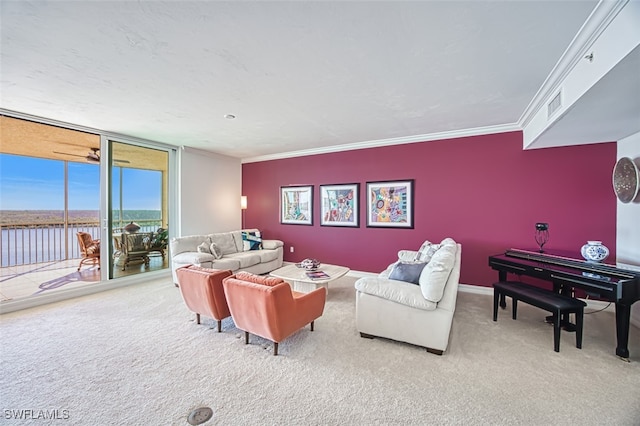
x,y
555,303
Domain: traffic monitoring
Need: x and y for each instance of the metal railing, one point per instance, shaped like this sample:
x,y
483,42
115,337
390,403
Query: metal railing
x,y
25,244
146,225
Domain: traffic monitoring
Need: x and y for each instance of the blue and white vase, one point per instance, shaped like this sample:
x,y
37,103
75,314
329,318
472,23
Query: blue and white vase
x,y
594,251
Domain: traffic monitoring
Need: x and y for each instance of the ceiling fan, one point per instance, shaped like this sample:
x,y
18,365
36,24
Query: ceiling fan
x,y
92,156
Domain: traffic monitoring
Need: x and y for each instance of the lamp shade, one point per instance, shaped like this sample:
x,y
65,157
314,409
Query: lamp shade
x,y
243,202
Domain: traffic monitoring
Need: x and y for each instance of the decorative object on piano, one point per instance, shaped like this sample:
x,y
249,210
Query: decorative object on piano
x,y
542,234
594,251
626,180
309,264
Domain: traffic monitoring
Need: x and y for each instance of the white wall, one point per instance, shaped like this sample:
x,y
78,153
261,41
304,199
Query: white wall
x,y
209,192
611,33
628,221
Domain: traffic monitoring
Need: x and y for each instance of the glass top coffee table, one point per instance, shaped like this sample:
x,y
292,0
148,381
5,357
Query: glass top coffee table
x,y
305,281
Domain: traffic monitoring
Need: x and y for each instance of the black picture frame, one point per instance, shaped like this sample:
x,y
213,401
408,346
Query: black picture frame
x,y
296,205
340,205
390,204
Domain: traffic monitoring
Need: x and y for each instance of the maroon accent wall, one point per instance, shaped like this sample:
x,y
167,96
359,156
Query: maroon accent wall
x,y
485,192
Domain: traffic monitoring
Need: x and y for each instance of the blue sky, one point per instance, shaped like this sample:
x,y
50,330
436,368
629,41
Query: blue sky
x,y
28,183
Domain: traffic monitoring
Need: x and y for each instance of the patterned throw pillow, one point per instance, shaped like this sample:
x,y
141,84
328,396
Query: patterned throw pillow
x,y
426,252
407,271
251,241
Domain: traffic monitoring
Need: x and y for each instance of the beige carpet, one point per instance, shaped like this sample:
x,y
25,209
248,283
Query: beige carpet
x,y
134,356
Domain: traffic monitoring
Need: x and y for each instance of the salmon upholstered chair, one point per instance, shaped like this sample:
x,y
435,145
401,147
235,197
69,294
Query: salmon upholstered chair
x,y
89,248
202,292
267,307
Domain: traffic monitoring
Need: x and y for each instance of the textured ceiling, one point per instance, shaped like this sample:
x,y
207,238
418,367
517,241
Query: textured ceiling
x,y
297,75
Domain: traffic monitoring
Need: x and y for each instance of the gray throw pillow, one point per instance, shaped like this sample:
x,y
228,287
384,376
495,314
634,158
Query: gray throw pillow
x,y
407,272
215,250
204,248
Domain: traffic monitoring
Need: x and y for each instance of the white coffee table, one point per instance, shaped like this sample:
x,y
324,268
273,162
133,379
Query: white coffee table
x,y
299,281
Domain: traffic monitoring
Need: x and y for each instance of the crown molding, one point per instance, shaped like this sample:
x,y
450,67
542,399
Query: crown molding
x,y
477,131
599,19
212,154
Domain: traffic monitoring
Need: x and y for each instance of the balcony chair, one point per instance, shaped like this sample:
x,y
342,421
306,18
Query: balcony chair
x,y
267,307
159,242
135,247
89,248
117,246
202,292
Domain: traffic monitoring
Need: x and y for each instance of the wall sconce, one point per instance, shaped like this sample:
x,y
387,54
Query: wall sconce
x,y
243,206
542,234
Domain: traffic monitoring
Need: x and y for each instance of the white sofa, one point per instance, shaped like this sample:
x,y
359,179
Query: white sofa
x,y
402,311
232,253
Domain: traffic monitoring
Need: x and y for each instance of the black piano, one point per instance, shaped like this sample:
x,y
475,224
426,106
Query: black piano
x,y
600,280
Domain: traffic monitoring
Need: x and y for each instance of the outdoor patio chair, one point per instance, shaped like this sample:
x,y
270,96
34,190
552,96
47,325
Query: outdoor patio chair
x,y
89,248
135,247
159,241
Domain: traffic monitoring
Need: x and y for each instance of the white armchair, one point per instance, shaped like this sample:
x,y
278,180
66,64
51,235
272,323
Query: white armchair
x,y
418,313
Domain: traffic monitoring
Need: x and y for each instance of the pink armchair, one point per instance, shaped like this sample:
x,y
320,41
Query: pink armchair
x,y
202,292
267,307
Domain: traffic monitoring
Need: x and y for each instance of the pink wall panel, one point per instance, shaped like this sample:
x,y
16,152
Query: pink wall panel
x,y
483,191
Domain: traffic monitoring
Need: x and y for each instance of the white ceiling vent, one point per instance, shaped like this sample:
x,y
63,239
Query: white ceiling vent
x,y
554,105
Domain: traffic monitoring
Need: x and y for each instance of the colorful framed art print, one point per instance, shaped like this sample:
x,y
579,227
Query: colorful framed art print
x,y
339,205
390,204
296,205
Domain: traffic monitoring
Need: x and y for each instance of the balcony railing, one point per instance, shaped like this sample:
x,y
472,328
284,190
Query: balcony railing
x,y
24,244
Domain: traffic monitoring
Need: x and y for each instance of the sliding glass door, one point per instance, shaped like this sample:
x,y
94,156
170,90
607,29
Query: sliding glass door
x,y
62,186
138,208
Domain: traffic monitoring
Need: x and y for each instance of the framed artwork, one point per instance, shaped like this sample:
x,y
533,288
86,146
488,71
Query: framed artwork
x,y
296,205
339,205
390,204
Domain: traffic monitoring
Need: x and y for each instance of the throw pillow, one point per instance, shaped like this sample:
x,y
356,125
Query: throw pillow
x,y
407,271
251,240
426,252
434,276
204,248
215,250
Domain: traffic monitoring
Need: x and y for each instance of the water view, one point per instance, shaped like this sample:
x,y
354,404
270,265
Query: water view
x,y
52,188
32,236
45,202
